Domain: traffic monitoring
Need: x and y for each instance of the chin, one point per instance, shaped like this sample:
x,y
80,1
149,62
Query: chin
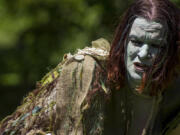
x,y
135,77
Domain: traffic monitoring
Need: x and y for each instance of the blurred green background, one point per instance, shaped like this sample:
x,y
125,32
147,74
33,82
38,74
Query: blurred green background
x,y
35,34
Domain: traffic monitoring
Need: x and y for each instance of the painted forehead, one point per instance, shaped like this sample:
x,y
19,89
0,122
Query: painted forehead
x,y
148,25
155,30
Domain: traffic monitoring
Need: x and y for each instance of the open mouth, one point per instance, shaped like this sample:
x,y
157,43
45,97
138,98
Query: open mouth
x,y
140,67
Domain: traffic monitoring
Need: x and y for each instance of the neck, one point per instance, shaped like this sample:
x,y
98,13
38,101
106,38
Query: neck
x,y
136,85
133,84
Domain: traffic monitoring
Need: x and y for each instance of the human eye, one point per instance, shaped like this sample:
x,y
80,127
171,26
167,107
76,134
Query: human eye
x,y
157,46
136,42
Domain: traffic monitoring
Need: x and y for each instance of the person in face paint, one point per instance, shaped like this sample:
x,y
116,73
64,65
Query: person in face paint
x,y
146,39
133,96
146,44
143,69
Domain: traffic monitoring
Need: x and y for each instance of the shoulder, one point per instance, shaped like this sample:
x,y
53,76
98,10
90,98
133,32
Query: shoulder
x,y
99,51
79,69
79,75
67,83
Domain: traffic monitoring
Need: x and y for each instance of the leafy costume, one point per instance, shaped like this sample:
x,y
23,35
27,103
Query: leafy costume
x,y
73,100
57,104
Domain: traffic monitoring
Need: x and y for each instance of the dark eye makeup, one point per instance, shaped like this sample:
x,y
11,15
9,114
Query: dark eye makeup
x,y
157,46
140,43
136,42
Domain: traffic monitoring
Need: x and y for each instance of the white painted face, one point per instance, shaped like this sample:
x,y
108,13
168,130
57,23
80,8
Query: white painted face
x,y
145,41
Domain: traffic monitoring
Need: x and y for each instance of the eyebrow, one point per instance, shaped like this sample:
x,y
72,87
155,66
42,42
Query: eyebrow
x,y
157,40
133,36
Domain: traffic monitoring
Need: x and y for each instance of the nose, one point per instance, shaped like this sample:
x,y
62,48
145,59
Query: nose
x,y
143,51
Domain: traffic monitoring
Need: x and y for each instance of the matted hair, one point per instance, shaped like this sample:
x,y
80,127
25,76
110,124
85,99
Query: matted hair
x,y
163,11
